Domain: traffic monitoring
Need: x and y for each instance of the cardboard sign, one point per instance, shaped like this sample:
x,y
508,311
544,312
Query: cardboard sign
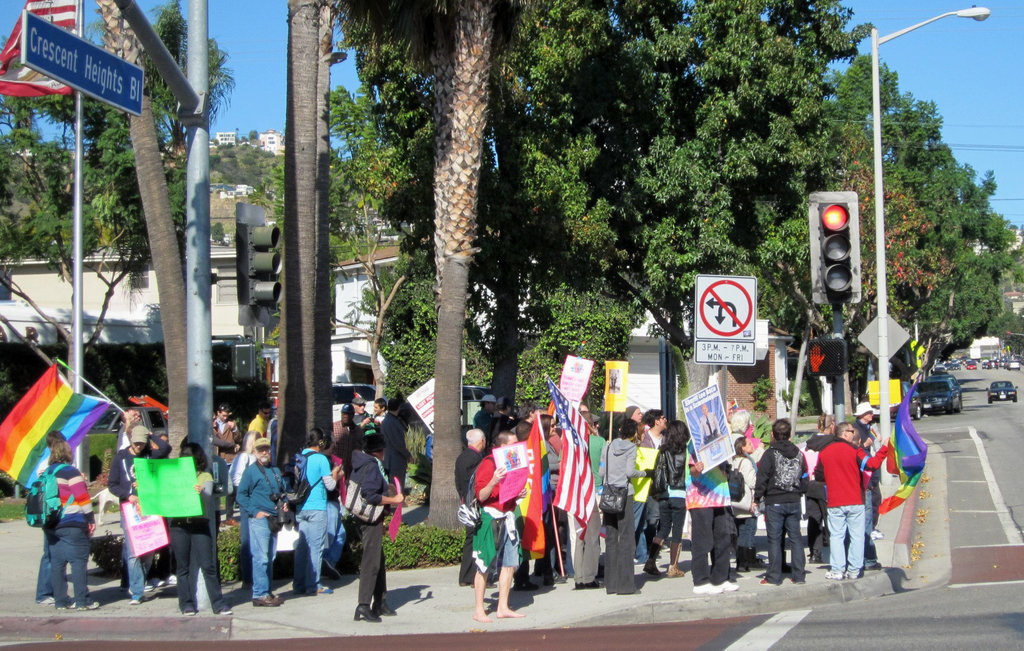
x,y
516,461
575,378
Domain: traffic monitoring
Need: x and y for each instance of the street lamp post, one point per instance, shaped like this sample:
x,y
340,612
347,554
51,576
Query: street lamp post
x,y
977,13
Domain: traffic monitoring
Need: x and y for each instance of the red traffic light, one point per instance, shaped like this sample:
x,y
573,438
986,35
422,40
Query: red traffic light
x,y
835,217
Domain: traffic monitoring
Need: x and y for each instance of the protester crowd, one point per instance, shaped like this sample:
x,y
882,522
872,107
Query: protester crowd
x,y
649,485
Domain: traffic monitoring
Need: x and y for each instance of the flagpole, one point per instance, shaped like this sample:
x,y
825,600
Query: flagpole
x,y
82,452
92,386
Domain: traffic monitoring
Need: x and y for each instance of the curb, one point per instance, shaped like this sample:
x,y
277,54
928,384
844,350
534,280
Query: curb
x,y
905,534
787,597
88,627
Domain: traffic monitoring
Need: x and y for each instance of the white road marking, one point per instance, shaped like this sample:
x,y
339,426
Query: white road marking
x,y
766,635
985,584
1012,533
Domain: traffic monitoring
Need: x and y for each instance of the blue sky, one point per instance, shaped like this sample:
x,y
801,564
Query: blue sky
x,y
970,69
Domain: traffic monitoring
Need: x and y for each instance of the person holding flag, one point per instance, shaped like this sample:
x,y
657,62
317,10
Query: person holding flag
x,y
588,546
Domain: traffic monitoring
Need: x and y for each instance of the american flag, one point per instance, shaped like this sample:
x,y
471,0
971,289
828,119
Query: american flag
x,y
576,482
22,81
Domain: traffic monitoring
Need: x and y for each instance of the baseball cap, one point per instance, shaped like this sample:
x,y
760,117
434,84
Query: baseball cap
x,y
261,442
358,400
489,398
140,434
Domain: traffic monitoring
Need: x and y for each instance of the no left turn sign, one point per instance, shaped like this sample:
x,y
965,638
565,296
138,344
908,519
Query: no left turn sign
x,y
726,308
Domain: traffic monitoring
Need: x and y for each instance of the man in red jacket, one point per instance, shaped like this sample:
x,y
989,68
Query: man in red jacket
x,y
840,466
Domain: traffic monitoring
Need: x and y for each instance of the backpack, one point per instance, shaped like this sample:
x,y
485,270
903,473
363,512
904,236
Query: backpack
x,y
302,486
469,511
737,486
788,473
43,507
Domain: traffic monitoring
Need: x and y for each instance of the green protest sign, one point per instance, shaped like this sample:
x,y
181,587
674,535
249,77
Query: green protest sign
x,y
167,487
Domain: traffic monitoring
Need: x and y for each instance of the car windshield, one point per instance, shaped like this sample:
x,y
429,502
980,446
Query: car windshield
x,y
1000,386
933,386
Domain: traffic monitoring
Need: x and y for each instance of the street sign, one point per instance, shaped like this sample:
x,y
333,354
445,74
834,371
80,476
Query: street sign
x,y
59,54
725,324
897,336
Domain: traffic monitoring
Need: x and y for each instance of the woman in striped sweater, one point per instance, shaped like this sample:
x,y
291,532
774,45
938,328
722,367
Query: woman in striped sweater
x,y
69,540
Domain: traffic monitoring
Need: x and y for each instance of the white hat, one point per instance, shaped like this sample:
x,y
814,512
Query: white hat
x,y
864,408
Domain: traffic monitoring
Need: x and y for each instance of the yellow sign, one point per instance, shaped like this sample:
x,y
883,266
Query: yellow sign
x,y
615,375
895,392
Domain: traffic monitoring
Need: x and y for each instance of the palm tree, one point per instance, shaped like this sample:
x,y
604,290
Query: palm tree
x,y
456,38
165,249
305,312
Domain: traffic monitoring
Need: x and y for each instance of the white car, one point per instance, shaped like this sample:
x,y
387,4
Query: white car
x,y
1013,365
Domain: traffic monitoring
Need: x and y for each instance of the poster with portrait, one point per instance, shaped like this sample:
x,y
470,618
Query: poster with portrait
x,y
709,430
615,376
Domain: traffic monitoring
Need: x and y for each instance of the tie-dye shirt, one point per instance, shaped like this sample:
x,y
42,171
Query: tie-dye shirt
x,y
707,490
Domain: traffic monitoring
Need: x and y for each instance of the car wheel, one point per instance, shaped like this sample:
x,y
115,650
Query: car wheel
x,y
917,413
959,405
1015,399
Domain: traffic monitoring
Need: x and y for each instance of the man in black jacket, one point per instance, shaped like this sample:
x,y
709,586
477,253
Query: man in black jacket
x,y
396,452
465,464
121,482
781,481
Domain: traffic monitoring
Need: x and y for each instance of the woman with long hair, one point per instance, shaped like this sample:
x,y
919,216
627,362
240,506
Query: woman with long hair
x,y
192,541
68,541
672,504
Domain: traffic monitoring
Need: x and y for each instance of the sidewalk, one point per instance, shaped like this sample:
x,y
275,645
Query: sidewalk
x,y
430,601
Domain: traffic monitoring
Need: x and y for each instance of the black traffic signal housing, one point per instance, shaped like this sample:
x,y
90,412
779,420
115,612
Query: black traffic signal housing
x,y
834,221
257,265
826,357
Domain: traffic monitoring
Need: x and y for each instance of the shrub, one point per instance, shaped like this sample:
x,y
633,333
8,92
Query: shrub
x,y
761,392
228,546
423,545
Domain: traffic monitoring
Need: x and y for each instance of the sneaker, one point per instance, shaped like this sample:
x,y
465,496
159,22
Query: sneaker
x,y
853,576
872,565
188,613
135,601
149,587
226,610
835,576
172,580
90,605
324,590
45,601
729,586
707,589
877,535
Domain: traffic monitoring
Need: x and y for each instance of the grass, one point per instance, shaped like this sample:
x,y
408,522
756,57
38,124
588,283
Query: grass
x,y
12,511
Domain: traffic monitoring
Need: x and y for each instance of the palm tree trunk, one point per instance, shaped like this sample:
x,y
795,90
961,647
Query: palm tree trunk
x,y
461,73
163,239
320,389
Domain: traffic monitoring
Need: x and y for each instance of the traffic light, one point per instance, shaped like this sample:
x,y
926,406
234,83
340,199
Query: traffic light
x,y
826,357
257,265
834,221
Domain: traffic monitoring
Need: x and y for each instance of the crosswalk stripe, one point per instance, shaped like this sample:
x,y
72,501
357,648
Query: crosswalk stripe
x,y
766,635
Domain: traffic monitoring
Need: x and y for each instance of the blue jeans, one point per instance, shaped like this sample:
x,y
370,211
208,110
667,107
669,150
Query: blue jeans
x,y
336,534
870,553
138,567
309,550
746,529
244,555
781,518
44,588
841,519
639,529
261,548
69,545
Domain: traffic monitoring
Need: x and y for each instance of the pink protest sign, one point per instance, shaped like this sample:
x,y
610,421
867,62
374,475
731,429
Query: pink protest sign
x,y
145,534
396,519
575,377
516,461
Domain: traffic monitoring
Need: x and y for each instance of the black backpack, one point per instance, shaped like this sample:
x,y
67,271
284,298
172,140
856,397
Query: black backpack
x,y
302,486
737,486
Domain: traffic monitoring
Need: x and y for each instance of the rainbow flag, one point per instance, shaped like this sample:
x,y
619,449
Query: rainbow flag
x,y
538,490
49,405
907,452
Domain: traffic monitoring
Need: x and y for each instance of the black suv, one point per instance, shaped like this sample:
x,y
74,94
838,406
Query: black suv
x,y
941,392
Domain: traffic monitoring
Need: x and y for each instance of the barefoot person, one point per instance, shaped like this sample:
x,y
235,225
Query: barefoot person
x,y
496,541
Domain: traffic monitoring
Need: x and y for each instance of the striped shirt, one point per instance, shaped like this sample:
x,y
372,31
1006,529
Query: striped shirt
x,y
74,495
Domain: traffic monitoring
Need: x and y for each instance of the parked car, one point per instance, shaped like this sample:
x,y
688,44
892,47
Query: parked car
x,y
1002,390
941,393
985,364
342,394
916,407
971,365
110,421
1013,365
